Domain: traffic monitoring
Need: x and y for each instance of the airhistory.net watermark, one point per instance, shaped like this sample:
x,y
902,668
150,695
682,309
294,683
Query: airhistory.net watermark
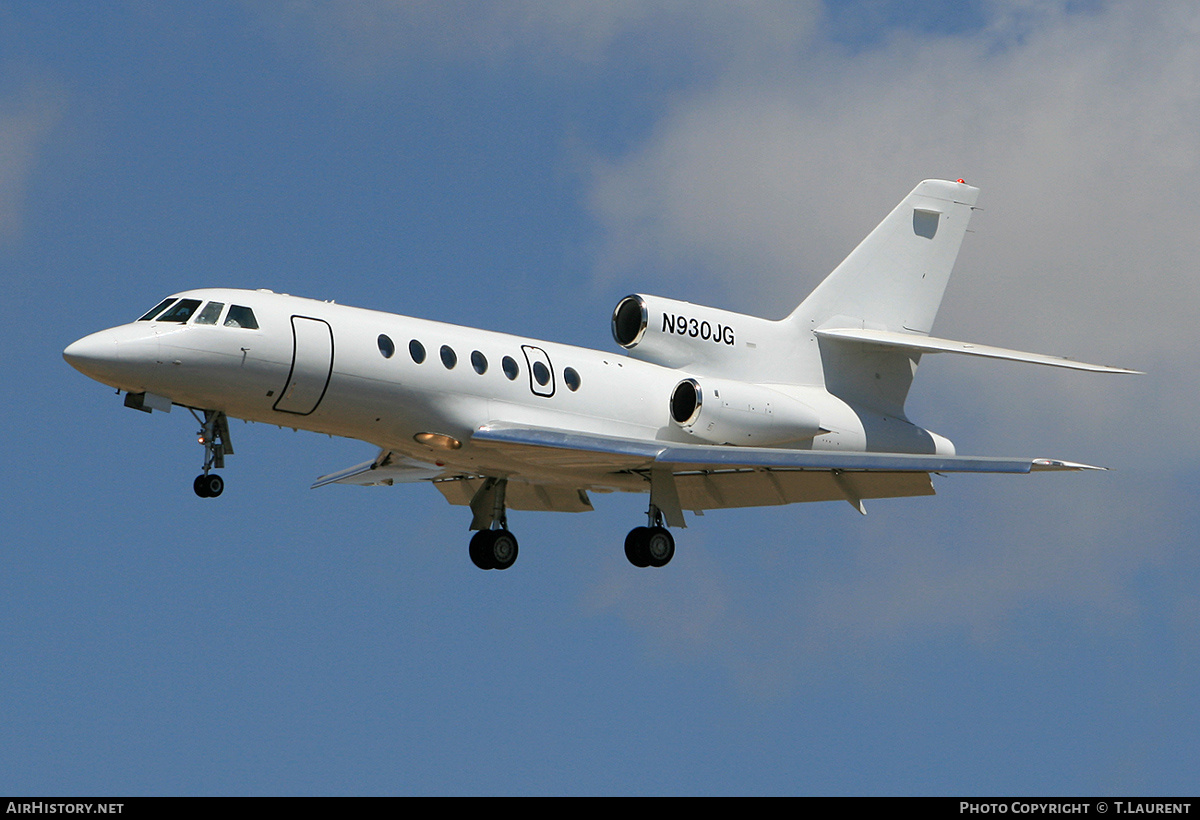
x,y
42,807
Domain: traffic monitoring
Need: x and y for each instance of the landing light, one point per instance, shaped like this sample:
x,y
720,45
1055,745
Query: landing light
x,y
437,440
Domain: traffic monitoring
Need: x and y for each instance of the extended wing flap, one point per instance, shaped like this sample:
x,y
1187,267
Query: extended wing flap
x,y
929,344
768,487
519,495
387,468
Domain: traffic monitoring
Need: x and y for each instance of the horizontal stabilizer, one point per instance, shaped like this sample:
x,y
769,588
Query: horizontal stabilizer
x,y
929,344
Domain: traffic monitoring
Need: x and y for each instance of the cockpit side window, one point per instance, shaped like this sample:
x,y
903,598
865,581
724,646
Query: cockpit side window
x,y
210,313
181,311
157,309
241,317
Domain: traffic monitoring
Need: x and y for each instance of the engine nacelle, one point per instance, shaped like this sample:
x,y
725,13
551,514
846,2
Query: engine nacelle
x,y
722,411
679,334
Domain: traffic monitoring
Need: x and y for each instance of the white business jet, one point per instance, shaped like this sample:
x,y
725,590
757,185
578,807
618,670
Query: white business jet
x,y
707,409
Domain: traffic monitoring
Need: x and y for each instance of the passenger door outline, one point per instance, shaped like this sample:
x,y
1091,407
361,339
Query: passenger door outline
x,y
312,366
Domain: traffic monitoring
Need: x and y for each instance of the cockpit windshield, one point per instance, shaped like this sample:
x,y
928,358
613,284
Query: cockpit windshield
x,y
157,309
241,317
210,314
181,311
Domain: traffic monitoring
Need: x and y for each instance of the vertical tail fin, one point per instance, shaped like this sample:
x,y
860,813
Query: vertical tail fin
x,y
894,280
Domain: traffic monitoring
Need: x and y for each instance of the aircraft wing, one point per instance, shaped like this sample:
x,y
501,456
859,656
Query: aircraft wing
x,y
638,453
699,477
681,476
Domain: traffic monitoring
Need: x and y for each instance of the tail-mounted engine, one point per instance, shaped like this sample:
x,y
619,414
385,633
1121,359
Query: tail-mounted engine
x,y
679,334
722,411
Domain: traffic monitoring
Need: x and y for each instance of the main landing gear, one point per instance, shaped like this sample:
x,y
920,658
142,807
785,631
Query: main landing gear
x,y
493,547
214,435
651,546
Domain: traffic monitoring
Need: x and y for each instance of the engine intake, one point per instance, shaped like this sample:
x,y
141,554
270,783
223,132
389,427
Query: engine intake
x,y
629,321
686,402
723,411
679,334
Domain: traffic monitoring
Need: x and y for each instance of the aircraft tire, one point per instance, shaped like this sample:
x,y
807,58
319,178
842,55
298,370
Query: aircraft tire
x,y
481,549
635,547
208,486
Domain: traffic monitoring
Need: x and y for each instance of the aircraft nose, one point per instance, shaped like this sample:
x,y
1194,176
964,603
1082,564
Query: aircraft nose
x,y
90,351
113,357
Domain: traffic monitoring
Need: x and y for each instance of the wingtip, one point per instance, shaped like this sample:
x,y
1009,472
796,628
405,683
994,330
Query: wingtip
x,y
1056,464
1122,371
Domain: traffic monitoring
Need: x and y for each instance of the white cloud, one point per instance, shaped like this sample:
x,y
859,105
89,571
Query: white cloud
x,y
1081,137
1080,128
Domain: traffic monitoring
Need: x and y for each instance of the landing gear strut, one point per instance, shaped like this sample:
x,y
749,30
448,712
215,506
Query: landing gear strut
x,y
651,546
493,547
214,435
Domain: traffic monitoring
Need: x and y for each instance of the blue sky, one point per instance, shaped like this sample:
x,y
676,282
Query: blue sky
x,y
521,166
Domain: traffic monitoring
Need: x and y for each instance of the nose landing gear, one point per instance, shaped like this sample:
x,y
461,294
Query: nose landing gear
x,y
214,435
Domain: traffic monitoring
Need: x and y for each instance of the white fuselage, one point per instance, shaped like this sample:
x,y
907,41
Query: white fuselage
x,y
324,367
